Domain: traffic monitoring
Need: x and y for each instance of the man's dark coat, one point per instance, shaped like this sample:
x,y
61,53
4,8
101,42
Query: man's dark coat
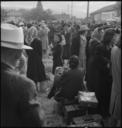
x,y
19,106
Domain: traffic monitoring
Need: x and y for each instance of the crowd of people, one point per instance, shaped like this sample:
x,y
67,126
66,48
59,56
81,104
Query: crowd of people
x,y
88,57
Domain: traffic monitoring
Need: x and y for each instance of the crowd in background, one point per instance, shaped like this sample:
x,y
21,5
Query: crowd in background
x,y
98,48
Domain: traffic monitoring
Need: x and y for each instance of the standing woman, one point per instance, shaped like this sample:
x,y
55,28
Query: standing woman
x,y
99,77
105,80
36,69
115,104
57,52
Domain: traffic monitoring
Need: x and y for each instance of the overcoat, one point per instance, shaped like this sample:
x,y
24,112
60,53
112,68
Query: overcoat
x,y
43,35
19,106
36,69
99,77
75,46
115,104
66,51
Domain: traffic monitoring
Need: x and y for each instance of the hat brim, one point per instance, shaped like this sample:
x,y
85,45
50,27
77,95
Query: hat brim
x,y
15,47
27,47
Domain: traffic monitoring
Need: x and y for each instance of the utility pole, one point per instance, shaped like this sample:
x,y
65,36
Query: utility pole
x,y
72,10
87,11
68,11
62,14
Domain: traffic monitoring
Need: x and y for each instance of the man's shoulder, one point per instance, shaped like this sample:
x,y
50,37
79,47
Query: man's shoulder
x,y
21,81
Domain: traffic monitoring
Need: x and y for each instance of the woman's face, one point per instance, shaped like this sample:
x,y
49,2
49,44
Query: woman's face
x,y
56,38
116,38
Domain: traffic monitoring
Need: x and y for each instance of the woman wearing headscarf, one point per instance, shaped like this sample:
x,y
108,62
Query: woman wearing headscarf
x,y
96,36
99,77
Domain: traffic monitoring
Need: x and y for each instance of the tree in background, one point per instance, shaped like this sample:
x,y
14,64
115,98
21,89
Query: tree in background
x,y
38,13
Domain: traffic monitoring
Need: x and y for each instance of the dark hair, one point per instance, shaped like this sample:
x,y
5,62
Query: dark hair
x,y
108,36
73,62
117,30
29,25
60,38
82,32
95,47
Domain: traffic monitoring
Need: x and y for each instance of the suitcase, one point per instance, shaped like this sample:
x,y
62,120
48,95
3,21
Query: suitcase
x,y
71,111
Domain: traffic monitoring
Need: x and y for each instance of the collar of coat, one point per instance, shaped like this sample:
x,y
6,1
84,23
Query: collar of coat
x,y
83,37
8,66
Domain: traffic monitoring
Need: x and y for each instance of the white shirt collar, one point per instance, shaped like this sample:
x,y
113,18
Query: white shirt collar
x,y
83,37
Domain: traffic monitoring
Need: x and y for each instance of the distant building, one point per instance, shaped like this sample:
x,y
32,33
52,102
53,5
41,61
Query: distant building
x,y
108,13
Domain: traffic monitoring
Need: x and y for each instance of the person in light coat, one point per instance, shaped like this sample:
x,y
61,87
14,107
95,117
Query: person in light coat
x,y
82,51
115,103
43,35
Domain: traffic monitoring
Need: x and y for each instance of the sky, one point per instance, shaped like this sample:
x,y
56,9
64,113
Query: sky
x,y
79,7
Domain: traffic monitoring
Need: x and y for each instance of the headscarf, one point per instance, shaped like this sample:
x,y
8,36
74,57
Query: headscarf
x,y
96,34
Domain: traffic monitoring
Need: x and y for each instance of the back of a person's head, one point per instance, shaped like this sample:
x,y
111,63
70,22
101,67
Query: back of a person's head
x,y
94,42
95,47
73,62
29,25
108,36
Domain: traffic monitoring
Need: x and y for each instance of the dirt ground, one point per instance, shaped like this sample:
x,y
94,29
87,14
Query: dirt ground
x,y
53,119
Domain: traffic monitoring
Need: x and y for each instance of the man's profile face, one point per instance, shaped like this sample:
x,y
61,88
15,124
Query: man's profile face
x,y
18,54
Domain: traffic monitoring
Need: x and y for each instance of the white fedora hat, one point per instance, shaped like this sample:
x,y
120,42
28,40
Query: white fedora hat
x,y
12,37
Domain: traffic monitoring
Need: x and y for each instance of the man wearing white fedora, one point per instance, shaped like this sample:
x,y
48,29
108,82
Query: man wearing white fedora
x,y
19,106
